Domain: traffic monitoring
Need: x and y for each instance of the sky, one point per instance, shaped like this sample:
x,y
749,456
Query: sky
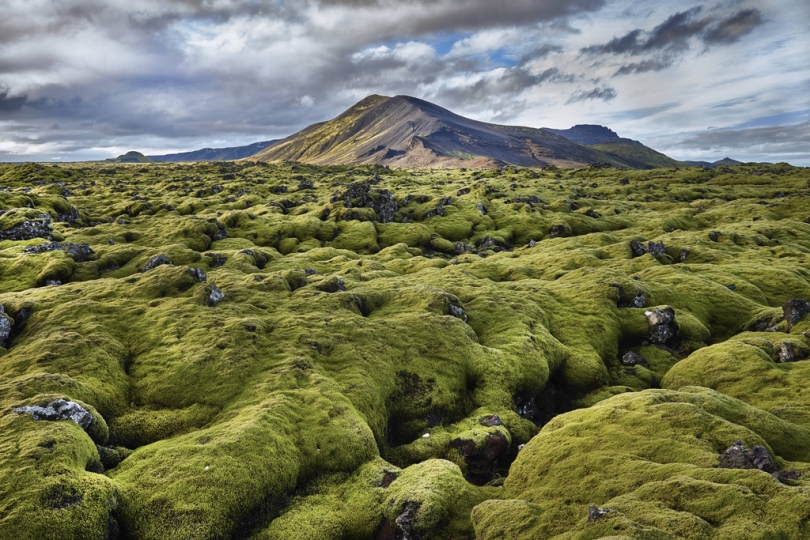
x,y
92,79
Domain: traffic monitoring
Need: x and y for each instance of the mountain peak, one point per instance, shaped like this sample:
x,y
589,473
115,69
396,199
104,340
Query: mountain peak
x,y
410,132
590,134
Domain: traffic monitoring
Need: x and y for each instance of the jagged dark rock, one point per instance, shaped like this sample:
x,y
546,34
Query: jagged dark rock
x,y
331,285
198,274
632,359
60,409
6,324
653,248
794,309
361,195
156,261
221,233
217,260
78,252
38,227
637,301
406,523
595,513
213,295
663,327
458,312
737,456
789,352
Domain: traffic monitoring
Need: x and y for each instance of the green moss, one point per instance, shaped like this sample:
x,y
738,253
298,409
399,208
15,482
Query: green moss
x,y
650,458
298,396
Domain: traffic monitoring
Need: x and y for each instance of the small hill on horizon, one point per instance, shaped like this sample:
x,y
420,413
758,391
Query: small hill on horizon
x,y
629,151
215,154
727,161
131,157
409,132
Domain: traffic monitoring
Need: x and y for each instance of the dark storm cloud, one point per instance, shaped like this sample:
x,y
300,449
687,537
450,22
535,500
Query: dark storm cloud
x,y
676,30
10,104
629,43
652,64
501,87
431,16
604,93
734,28
543,51
674,33
770,139
668,41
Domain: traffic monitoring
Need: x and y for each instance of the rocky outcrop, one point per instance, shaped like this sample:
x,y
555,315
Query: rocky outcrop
x,y
361,195
663,327
632,359
794,309
156,261
37,227
78,252
60,409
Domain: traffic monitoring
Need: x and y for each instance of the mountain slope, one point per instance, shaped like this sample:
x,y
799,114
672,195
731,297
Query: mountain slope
x,y
629,151
636,155
215,154
409,132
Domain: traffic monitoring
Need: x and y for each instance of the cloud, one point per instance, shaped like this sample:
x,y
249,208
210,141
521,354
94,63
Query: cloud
x,y
780,139
676,30
604,93
668,41
651,64
150,74
419,17
673,33
10,104
735,27
543,51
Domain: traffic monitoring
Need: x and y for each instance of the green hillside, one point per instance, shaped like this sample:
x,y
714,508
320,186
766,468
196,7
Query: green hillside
x,y
637,156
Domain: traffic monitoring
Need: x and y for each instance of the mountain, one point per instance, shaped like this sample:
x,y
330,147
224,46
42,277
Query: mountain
x,y
409,132
711,165
216,154
588,134
629,151
131,157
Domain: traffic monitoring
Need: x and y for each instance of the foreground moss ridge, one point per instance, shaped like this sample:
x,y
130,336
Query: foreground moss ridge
x,y
290,351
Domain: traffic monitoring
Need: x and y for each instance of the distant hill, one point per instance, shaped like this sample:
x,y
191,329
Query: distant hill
x,y
131,157
711,165
589,134
409,132
629,151
216,154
